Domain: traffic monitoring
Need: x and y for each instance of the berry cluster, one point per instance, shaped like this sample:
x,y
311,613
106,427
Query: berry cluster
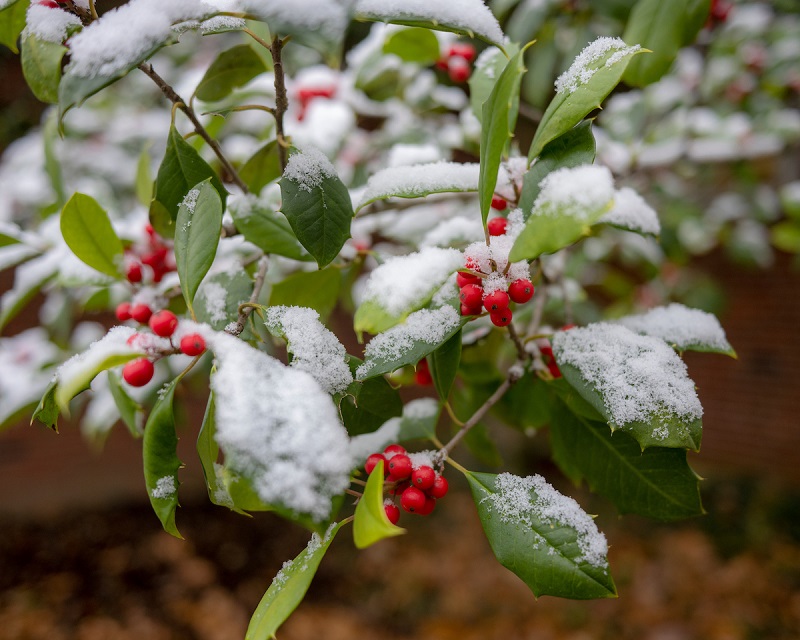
x,y
306,94
155,254
457,62
139,372
418,484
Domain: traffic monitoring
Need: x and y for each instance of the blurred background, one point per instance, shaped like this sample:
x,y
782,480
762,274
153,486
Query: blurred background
x,y
715,148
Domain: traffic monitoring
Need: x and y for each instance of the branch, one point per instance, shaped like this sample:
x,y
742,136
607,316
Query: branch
x,y
178,102
281,99
246,310
521,353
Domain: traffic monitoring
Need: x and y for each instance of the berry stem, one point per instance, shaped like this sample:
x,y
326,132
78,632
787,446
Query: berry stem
x,y
246,309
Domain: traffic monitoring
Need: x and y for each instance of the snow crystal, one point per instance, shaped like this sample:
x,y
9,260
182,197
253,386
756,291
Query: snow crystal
x,y
419,180
314,348
314,545
190,200
454,231
584,66
631,211
429,326
309,168
680,326
48,23
422,458
365,444
220,23
470,15
215,297
639,377
421,409
405,281
579,190
165,488
533,501
278,428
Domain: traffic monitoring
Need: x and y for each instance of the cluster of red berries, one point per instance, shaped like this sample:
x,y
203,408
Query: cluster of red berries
x,y
306,94
422,374
419,486
457,62
139,372
156,255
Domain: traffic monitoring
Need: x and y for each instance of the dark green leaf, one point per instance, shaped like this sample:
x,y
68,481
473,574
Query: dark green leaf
x,y
568,108
319,212
131,412
88,233
47,410
181,169
367,405
444,365
498,119
161,462
656,483
263,167
218,299
41,65
370,523
269,231
545,552
12,21
571,149
232,68
318,290
413,45
526,404
197,233
288,588
465,401
484,78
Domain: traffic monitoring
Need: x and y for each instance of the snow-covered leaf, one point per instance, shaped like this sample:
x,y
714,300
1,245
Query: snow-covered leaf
x,y
234,67
197,231
544,537
370,522
636,382
581,89
47,411
88,233
367,405
632,213
219,296
208,452
41,65
160,458
317,204
268,230
289,587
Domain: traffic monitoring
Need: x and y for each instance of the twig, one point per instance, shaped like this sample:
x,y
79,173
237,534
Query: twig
x,y
521,353
246,310
176,100
281,100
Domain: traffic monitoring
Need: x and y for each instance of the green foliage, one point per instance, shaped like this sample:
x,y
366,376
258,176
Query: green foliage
x,y
12,21
47,411
88,233
318,290
232,68
262,167
238,287
367,405
413,45
130,411
269,231
370,523
444,365
41,65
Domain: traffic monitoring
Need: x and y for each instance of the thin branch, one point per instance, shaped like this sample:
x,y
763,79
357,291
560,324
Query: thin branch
x,y
176,100
281,99
246,310
521,353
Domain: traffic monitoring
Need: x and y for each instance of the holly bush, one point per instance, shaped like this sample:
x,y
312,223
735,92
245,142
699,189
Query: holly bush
x,y
249,186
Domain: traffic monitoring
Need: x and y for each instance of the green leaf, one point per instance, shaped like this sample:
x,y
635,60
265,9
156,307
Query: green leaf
x,y
656,483
160,457
568,108
47,411
218,298
181,169
12,22
288,588
319,212
144,179
785,235
499,114
365,406
263,167
208,452
663,27
370,523
88,233
413,45
197,233
547,550
484,78
571,149
14,300
318,290
232,68
41,66
444,365
131,412
52,165
269,231
526,404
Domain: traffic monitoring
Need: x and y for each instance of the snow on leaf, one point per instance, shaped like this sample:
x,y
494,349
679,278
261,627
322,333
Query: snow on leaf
x,y
631,211
309,168
585,65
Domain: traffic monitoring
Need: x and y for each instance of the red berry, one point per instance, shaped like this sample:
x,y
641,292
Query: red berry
x,y
141,313
138,373
428,507
567,327
458,69
497,226
422,375
156,258
520,291
463,279
462,50
372,462
471,295
501,318
392,512
134,273
441,64
193,344
423,477
399,487
413,500
470,311
50,4
163,323
499,204
440,487
123,311
393,449
496,301
472,263
400,466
